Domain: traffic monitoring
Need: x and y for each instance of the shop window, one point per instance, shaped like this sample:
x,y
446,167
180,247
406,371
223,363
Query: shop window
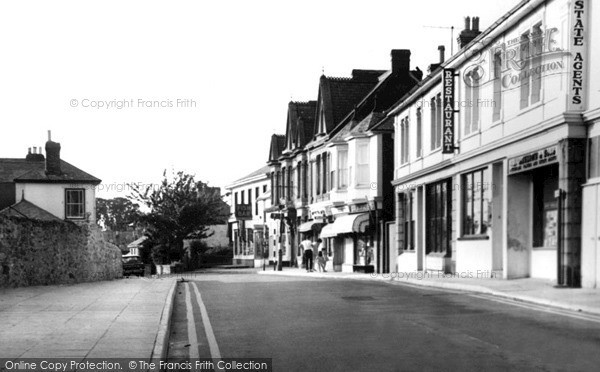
x,y
545,207
408,205
594,157
476,202
438,207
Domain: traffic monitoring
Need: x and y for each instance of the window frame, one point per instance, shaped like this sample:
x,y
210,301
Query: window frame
x,y
67,204
469,207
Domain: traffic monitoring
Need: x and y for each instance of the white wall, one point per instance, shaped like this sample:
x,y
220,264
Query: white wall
x,y
51,197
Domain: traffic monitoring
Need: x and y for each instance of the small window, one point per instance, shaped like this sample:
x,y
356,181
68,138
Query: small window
x,y
75,203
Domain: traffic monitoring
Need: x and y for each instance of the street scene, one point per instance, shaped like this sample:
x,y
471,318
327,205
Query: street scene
x,y
315,186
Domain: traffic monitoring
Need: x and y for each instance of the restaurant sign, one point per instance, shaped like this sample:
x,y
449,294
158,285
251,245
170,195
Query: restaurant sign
x,y
448,110
533,160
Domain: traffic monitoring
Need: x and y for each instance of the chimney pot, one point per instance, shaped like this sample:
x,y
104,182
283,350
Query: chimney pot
x,y
29,150
49,135
400,61
467,27
442,50
475,23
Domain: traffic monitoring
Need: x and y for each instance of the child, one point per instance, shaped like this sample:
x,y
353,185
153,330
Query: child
x,y
321,261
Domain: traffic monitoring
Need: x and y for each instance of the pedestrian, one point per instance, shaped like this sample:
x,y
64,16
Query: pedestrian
x,y
307,245
321,262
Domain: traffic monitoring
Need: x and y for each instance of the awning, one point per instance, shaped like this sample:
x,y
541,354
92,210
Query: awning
x,y
310,226
351,223
328,231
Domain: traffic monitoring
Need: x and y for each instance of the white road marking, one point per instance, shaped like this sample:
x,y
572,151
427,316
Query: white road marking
x,y
567,313
215,353
191,324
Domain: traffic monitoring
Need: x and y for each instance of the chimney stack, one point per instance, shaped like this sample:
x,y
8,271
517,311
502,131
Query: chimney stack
x,y
400,61
470,32
52,157
34,155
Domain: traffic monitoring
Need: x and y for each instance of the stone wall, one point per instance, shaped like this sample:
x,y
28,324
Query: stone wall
x,y
34,252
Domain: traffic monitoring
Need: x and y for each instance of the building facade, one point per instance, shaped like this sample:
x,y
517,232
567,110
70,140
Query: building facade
x,y
248,230
329,173
41,185
490,151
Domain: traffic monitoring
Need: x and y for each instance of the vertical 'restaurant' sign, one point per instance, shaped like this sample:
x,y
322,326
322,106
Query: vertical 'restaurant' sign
x,y
448,111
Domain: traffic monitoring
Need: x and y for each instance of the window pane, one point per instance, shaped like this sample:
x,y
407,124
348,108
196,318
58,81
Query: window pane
x,y
477,189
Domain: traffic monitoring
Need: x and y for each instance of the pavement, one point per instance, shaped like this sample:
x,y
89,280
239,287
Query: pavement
x,y
530,290
126,318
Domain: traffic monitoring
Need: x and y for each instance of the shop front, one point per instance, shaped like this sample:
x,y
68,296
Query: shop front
x,y
534,209
351,239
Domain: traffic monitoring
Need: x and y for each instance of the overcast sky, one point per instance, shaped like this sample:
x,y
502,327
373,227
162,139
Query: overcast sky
x,y
240,62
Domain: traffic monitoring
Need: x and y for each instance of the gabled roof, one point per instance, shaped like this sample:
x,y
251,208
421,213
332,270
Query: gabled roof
x,y
259,172
277,146
300,123
338,96
26,209
22,170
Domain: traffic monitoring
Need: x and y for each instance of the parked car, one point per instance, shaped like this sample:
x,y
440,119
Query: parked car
x,y
133,265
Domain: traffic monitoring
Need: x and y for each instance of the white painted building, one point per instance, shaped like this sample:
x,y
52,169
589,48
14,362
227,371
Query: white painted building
x,y
590,235
49,183
507,201
247,223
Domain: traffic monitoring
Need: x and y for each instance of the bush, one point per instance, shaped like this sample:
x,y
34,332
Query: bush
x,y
161,254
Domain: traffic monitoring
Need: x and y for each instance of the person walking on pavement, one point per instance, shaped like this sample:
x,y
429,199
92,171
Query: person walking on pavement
x,y
321,262
307,245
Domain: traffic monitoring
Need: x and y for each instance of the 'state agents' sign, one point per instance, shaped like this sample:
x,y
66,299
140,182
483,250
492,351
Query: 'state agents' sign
x,y
243,211
448,111
533,160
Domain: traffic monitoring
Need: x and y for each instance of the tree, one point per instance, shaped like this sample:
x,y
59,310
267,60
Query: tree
x,y
179,208
116,214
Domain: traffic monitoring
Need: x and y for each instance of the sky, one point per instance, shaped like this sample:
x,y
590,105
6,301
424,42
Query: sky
x,y
131,88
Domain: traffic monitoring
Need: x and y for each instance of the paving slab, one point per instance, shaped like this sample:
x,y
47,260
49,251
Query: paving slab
x,y
108,319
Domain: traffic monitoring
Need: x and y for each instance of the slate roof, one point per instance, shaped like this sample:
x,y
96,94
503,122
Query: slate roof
x,y
258,172
301,123
25,209
340,95
22,170
277,146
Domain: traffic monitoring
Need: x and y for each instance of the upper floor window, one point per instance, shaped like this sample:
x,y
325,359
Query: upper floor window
x,y
419,136
497,100
318,174
404,148
331,173
472,81
362,163
256,190
75,203
342,169
530,56
436,121
299,180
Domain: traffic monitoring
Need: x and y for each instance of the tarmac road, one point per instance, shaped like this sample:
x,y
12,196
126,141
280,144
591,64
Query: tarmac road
x,y
308,324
